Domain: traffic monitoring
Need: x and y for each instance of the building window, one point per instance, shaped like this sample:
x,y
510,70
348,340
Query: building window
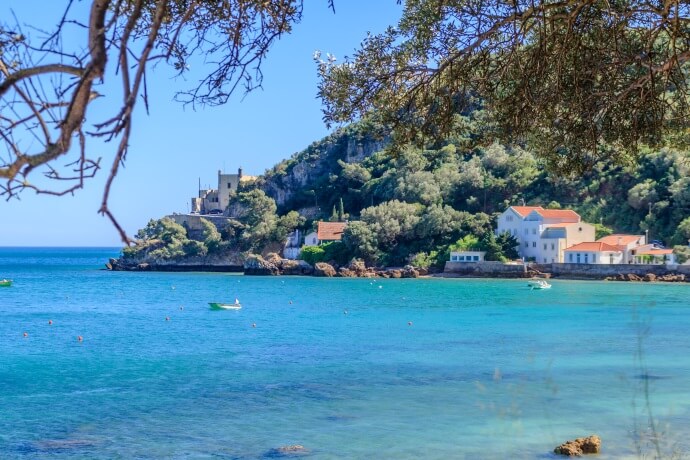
x,y
553,247
544,249
570,257
578,257
526,244
534,244
476,258
586,258
229,184
534,231
544,259
594,258
509,218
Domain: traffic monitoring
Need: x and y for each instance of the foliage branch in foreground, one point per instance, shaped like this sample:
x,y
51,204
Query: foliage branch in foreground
x,y
48,80
577,80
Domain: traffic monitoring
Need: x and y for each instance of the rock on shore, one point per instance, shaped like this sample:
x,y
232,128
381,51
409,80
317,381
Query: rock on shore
x,y
580,446
649,277
273,264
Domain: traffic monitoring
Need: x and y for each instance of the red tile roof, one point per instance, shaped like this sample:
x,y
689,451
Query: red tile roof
x,y
330,231
524,210
559,214
594,246
624,239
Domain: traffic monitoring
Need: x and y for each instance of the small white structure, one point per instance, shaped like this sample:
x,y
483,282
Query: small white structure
x,y
593,252
311,239
292,247
325,232
467,256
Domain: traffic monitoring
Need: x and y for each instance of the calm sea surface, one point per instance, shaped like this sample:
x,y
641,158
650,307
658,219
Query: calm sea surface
x,y
486,368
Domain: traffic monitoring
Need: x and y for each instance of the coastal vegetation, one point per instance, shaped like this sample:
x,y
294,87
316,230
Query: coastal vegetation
x,y
415,205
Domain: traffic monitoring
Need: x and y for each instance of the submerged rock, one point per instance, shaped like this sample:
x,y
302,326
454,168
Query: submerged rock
x,y
580,446
287,451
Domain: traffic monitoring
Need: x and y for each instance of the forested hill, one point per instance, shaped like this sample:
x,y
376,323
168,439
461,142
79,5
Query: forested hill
x,y
465,173
411,205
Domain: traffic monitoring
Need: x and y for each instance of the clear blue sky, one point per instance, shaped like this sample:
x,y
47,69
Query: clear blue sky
x,y
173,147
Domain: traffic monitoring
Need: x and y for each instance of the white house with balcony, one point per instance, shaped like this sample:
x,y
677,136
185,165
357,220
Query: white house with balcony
x,y
628,244
544,234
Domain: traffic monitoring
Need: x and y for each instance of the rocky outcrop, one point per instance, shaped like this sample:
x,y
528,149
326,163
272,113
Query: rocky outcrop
x,y
409,271
580,446
295,267
324,269
650,277
229,262
257,265
305,169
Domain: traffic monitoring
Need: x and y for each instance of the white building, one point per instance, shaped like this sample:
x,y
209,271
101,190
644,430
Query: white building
x,y
311,239
594,252
650,254
543,234
628,244
467,256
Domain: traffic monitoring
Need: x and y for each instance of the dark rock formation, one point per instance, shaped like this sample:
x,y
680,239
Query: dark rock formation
x,y
287,451
324,269
409,271
295,267
580,446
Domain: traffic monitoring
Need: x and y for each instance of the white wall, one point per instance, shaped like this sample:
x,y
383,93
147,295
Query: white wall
x,y
594,257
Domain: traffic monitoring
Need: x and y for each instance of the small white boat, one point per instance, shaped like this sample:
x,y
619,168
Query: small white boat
x,y
225,306
539,284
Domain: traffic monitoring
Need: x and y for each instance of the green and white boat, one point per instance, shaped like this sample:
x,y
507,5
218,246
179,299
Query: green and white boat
x,y
5,283
225,306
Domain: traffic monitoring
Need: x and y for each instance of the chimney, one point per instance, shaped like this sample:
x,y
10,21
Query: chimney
x,y
239,173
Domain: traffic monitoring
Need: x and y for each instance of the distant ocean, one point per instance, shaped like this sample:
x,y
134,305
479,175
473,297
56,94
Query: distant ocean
x,y
347,368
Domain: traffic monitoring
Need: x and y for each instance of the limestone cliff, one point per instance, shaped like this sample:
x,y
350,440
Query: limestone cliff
x,y
294,183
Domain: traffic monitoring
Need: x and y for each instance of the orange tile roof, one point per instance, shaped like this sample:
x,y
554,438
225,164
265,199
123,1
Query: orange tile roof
x,y
624,239
654,252
330,231
524,210
559,214
593,246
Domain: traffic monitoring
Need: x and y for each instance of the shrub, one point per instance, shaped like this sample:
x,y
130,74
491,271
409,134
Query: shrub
x,y
312,254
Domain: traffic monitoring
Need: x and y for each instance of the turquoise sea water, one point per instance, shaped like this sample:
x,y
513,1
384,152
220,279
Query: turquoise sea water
x,y
486,369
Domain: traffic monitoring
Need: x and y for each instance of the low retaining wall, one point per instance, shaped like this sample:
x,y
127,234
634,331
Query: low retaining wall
x,y
588,271
603,270
488,269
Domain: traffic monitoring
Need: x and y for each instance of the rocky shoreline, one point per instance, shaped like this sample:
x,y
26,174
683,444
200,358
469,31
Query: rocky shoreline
x,y
274,265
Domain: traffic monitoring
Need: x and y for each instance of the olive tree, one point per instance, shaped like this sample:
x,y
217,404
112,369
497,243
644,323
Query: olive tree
x,y
48,80
578,80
